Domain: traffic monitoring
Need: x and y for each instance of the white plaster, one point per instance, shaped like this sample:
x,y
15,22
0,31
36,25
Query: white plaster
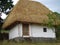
x,y
20,30
37,31
34,31
16,32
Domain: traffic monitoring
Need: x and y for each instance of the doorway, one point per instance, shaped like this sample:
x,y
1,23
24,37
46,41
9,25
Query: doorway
x,y
25,30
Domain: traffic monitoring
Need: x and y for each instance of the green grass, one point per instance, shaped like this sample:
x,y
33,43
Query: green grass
x,y
5,42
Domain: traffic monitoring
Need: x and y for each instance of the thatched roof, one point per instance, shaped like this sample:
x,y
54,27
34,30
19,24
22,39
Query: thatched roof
x,y
28,11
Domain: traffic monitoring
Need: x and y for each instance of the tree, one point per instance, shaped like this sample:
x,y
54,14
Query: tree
x,y
4,6
53,19
57,14
57,27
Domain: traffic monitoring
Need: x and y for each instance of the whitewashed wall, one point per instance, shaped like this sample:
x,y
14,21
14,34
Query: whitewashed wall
x,y
16,32
37,31
34,31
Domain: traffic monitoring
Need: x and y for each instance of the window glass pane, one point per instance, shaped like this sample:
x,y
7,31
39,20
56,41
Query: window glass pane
x,y
44,29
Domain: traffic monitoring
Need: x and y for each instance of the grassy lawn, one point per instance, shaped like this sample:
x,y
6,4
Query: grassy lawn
x,y
5,42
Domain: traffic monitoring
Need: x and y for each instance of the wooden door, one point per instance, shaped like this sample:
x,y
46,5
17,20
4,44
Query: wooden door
x,y
25,29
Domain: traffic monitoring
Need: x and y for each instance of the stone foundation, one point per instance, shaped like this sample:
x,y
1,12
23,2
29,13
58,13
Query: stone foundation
x,y
38,39
33,39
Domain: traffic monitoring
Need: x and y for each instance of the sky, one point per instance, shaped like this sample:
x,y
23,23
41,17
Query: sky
x,y
53,5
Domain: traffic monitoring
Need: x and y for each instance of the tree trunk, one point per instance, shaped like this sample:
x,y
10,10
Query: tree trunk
x,y
0,25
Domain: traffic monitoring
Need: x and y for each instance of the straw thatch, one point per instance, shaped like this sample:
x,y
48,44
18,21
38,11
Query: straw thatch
x,y
28,11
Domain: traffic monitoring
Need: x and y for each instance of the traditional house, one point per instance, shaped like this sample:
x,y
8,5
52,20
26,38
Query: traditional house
x,y
29,19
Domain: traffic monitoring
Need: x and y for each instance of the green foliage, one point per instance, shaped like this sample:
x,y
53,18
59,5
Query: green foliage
x,y
58,32
5,4
51,20
57,27
57,14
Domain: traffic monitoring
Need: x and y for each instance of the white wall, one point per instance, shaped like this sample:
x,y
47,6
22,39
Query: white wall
x,y
37,31
20,30
34,31
16,32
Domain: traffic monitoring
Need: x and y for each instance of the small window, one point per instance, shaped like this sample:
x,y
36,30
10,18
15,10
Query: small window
x,y
44,29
